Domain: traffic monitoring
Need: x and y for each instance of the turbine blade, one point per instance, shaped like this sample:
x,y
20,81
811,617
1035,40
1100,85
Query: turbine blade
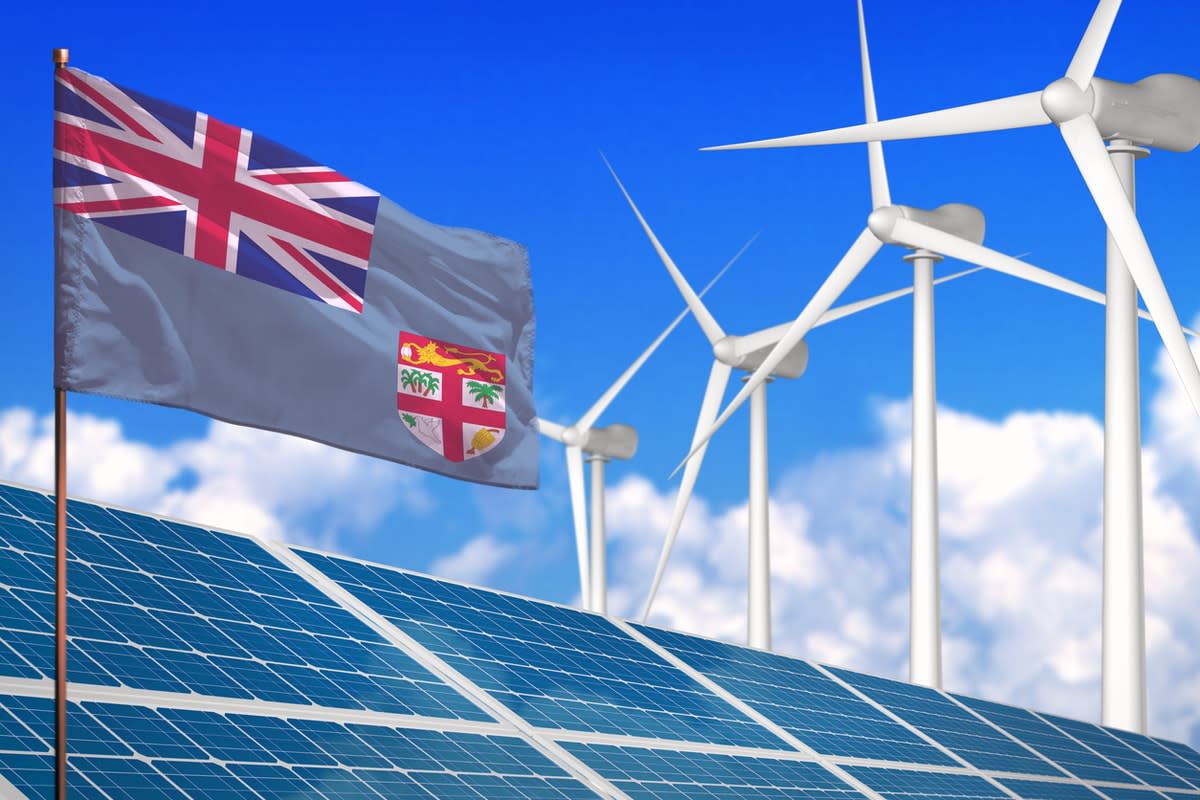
x,y
593,413
707,322
1087,148
1019,111
914,234
1087,55
579,516
718,378
834,314
880,195
972,253
752,342
550,429
863,250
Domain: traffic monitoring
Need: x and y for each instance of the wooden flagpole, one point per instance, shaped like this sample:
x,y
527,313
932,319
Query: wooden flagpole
x,y
60,566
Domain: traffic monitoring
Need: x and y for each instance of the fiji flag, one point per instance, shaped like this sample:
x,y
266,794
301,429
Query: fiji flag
x,y
204,266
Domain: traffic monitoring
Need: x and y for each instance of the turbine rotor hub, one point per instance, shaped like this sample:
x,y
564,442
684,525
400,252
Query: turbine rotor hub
x,y
882,222
573,437
725,350
1064,101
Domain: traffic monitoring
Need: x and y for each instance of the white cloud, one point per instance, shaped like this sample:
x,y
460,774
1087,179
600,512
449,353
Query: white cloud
x,y
238,478
1021,560
476,561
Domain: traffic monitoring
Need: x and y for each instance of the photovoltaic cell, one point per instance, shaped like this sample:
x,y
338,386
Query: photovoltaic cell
x,y
1184,752
171,607
810,706
1044,790
176,753
1161,755
647,773
1118,752
1129,793
950,725
1034,731
556,667
912,783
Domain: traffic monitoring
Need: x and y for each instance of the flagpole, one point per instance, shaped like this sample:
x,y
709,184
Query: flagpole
x,y
60,565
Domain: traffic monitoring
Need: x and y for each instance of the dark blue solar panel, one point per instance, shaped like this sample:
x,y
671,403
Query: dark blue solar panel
x,y
34,505
1034,731
642,772
1161,755
134,752
1044,790
170,607
32,775
950,725
912,783
87,735
1185,753
815,709
176,608
1127,793
1118,752
556,667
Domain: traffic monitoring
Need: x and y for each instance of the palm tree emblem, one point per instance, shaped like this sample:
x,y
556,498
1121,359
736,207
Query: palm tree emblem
x,y
419,381
484,393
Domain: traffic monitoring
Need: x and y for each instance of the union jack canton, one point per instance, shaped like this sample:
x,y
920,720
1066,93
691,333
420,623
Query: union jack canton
x,y
213,192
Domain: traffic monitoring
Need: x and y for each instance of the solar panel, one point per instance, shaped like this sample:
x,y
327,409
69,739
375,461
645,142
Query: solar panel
x,y
1046,790
952,726
208,665
1130,793
902,783
1118,752
824,715
553,666
140,751
654,773
1161,755
164,606
1073,756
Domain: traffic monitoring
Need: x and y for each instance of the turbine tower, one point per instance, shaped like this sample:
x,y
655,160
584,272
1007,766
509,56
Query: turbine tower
x,y
1161,111
601,445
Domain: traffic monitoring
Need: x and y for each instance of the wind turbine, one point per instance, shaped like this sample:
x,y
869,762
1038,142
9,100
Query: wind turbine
x,y
744,353
1160,111
615,441
961,223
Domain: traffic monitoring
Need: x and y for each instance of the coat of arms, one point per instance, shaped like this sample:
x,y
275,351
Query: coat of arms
x,y
451,397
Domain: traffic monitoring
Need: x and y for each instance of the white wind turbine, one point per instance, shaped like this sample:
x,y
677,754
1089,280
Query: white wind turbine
x,y
1160,111
744,353
615,441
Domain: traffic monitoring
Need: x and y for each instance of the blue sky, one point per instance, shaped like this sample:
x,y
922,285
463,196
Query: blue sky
x,y
490,116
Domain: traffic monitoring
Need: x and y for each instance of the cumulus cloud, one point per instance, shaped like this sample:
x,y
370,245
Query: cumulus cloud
x,y
1021,557
238,478
476,561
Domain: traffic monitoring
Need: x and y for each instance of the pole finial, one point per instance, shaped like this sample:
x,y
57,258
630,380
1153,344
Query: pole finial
x,y
61,54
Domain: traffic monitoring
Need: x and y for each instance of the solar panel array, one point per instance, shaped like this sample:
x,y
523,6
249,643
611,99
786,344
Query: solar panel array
x,y
207,664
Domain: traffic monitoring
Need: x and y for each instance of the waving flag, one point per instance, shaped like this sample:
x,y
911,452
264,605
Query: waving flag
x,y
210,191
204,266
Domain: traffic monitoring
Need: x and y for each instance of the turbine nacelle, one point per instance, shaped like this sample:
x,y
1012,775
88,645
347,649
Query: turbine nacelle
x,y
615,441
733,351
1161,111
956,219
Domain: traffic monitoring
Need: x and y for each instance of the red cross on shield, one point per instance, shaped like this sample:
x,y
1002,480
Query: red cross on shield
x,y
451,397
